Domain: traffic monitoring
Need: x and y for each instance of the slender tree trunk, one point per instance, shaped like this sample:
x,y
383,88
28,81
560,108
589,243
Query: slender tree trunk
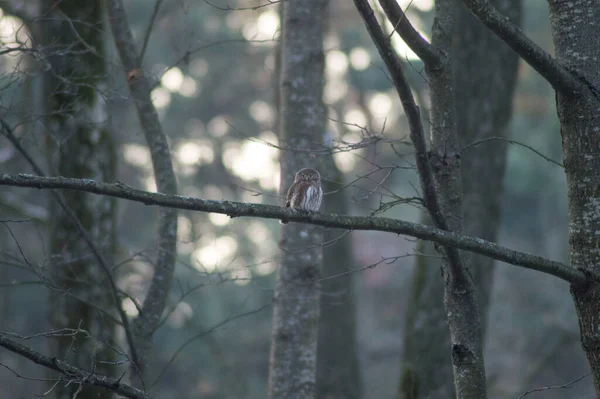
x,y
338,375
485,72
575,31
80,145
485,75
460,298
302,115
140,89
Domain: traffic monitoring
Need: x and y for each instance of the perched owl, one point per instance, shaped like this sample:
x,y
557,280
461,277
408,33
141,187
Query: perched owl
x,y
306,192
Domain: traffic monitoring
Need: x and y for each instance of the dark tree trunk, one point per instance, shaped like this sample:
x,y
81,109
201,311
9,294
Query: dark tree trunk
x,y
293,360
575,30
460,300
338,375
80,145
485,72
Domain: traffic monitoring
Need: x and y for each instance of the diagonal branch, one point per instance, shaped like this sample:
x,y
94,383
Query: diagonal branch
x,y
140,88
431,56
417,137
239,209
149,32
102,262
556,74
410,108
72,373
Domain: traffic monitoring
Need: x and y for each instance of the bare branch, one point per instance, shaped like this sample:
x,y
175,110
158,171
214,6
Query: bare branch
x,y
253,8
557,75
199,335
563,386
73,373
140,88
417,43
509,141
239,209
157,5
410,108
9,134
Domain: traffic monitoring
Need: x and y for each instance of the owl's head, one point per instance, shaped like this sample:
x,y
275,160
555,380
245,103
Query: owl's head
x,y
308,174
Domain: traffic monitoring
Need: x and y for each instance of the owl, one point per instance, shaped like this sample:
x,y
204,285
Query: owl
x,y
306,192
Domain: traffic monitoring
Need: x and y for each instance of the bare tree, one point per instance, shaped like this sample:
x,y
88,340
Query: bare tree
x,y
293,362
572,75
239,209
577,98
440,176
80,145
484,103
148,321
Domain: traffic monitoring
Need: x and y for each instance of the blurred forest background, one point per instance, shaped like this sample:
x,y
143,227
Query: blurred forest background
x,y
216,85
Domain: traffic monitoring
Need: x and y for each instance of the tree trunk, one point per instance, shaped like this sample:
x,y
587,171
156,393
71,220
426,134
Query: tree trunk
x,y
140,88
460,300
485,75
338,375
296,310
575,30
80,145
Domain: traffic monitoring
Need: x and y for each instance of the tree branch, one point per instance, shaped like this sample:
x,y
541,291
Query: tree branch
x,y
72,373
417,43
157,5
140,88
240,209
8,132
417,137
557,75
410,109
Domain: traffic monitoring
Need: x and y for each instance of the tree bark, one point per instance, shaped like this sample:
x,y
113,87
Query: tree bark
x,y
440,179
460,298
485,75
80,145
575,30
139,86
293,363
485,72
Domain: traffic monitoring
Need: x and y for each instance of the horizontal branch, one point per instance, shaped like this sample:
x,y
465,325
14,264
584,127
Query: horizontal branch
x,y
237,209
72,373
557,75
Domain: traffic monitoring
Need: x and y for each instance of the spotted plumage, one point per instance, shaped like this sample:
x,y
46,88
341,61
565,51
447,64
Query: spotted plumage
x,y
306,192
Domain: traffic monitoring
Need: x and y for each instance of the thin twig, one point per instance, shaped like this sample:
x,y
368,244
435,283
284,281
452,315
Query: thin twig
x,y
157,5
203,333
515,143
9,134
563,386
71,372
